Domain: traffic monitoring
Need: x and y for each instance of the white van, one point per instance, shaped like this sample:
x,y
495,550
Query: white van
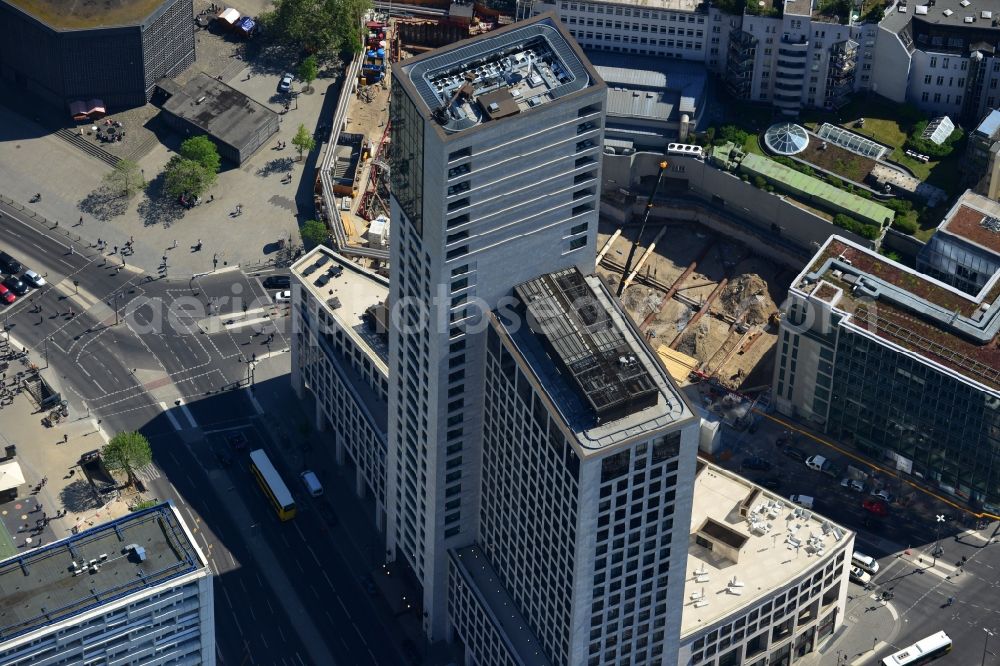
x,y
312,484
866,562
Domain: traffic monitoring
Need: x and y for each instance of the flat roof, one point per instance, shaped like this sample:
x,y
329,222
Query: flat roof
x,y
347,295
925,316
601,376
672,5
219,110
863,209
535,62
41,587
990,124
954,13
474,567
73,15
976,220
767,561
649,87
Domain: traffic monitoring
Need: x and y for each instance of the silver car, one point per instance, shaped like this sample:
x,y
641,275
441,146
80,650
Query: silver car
x,y
285,84
34,279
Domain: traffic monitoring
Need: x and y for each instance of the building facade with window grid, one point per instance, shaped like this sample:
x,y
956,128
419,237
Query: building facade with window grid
x,y
583,520
484,196
339,355
903,367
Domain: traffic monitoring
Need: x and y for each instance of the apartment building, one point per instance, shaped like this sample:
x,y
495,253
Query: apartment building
x,y
340,354
588,460
133,590
495,180
901,365
766,581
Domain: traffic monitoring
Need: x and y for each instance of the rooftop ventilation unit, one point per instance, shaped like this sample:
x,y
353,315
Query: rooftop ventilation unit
x,y
948,12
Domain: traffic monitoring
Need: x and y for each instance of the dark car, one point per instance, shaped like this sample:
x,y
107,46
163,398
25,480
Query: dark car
x,y
237,440
9,264
876,506
756,463
771,482
16,285
223,456
794,453
277,282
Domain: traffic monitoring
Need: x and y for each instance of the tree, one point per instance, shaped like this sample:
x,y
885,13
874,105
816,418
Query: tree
x,y
321,27
127,452
200,149
308,71
314,233
187,177
125,177
303,140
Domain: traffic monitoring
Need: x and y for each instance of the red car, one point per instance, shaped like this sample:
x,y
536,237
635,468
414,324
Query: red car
x,y
6,295
876,506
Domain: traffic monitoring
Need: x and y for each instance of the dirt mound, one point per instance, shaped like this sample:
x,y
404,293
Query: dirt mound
x,y
747,296
693,340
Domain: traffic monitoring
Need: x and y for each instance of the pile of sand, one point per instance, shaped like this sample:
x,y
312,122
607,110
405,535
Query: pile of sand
x,y
747,295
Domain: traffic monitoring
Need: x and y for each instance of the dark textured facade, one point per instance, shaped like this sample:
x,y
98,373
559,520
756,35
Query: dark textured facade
x,y
82,57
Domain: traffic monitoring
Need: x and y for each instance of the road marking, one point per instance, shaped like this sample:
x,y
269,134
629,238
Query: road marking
x,y
281,633
173,419
341,602
360,635
244,323
99,386
218,430
328,581
188,414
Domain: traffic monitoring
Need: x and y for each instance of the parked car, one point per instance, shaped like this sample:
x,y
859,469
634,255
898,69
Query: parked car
x,y
875,506
860,576
6,295
285,84
283,296
34,279
853,484
771,482
794,453
755,463
15,284
815,462
9,264
805,501
883,495
277,282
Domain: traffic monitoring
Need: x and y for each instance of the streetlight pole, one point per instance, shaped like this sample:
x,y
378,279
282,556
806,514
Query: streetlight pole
x,y
937,538
989,635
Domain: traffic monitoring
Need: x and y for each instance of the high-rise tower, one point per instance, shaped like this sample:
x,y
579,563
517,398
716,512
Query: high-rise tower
x,y
496,149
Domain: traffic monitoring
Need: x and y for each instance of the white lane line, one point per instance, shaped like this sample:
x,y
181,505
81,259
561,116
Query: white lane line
x,y
98,386
173,419
85,371
188,414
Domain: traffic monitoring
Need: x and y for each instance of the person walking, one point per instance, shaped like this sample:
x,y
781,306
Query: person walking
x,y
65,438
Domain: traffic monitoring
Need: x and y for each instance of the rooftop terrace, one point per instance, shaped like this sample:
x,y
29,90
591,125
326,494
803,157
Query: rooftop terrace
x,y
501,74
925,316
68,577
773,542
604,380
73,15
975,219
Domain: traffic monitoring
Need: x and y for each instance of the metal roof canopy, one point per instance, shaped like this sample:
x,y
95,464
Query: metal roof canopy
x,y
11,475
585,342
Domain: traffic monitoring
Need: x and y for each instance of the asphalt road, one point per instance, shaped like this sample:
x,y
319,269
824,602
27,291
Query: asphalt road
x,y
175,367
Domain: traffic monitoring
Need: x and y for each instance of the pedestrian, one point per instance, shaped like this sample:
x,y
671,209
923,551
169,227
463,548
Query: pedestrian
x,y
175,243
72,250
131,239
115,251
211,198
65,438
99,243
81,220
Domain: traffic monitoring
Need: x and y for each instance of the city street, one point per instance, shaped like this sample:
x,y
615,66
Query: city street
x,y
170,358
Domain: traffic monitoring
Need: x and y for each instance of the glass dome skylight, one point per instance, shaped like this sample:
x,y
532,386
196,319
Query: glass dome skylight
x,y
786,138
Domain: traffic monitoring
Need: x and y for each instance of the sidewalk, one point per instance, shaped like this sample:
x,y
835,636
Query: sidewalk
x,y
870,623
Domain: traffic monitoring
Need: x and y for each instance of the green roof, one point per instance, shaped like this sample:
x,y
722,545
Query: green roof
x,y
816,191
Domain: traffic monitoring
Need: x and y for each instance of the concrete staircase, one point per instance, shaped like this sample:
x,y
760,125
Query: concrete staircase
x,y
87,147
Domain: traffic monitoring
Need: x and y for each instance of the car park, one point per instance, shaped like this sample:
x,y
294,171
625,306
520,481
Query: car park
x,y
15,284
875,506
852,484
794,453
34,279
756,463
283,296
6,295
860,576
285,84
277,282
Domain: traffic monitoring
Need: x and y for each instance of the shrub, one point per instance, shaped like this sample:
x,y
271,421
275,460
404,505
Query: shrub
x,y
907,225
864,230
731,133
759,182
900,206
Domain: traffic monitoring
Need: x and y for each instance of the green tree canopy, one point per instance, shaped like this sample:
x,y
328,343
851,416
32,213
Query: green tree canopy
x,y
314,233
308,70
184,176
125,177
200,149
322,27
303,140
127,452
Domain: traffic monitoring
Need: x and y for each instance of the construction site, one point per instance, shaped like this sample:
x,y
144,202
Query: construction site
x,y
706,304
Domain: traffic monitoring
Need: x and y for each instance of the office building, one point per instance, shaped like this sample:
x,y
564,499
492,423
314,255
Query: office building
x,y
112,52
941,57
903,366
340,353
965,249
495,180
981,166
766,581
134,590
588,460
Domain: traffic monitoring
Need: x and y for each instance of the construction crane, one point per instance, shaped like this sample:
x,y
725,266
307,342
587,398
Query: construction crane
x,y
642,227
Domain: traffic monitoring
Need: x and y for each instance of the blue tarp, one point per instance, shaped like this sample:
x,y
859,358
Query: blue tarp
x,y
246,24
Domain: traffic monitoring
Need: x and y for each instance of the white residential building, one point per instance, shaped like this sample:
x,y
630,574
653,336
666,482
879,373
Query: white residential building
x,y
495,180
136,589
340,353
588,461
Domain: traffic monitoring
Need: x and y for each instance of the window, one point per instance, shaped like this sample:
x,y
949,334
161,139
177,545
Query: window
x,y
577,243
933,61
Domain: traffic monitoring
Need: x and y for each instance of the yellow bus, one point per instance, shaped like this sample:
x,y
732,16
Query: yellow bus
x,y
272,485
